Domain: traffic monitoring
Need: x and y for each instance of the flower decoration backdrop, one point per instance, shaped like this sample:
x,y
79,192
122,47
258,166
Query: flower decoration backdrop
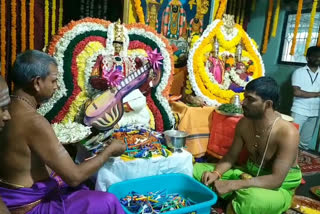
x,y
76,48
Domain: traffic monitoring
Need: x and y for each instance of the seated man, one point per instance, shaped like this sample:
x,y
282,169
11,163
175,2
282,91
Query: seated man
x,y
29,144
4,117
270,177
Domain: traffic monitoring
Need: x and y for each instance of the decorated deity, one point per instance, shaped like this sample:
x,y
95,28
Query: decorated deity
x,y
222,70
120,72
153,8
174,23
195,26
215,65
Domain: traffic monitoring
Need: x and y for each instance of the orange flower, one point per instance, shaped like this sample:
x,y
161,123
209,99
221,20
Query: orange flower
x,y
296,27
31,24
3,38
139,11
222,8
267,29
23,25
231,61
13,30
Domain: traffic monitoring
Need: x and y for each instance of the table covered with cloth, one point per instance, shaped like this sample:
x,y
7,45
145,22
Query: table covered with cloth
x,y
196,121
116,169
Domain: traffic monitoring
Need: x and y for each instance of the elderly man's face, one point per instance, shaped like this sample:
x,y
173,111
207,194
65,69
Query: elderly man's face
x,y
4,102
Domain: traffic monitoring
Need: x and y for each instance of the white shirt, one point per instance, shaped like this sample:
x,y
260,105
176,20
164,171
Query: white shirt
x,y
310,82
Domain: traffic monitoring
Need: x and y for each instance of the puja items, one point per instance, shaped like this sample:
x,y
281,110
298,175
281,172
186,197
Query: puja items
x,y
141,142
157,202
71,132
175,139
97,143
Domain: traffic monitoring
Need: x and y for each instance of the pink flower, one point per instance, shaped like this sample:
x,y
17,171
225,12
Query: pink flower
x,y
155,58
113,77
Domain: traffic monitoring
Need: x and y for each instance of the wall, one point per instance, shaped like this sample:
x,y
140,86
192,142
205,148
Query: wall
x,y
280,72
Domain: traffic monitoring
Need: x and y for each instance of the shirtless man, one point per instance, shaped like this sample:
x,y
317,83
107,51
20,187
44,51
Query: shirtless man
x,y
4,117
29,144
271,174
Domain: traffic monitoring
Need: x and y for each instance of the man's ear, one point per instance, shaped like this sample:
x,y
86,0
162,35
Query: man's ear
x,y
269,104
36,83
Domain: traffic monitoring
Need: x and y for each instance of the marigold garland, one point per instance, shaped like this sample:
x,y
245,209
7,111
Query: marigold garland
x,y
3,38
238,11
13,31
313,14
46,23
243,12
210,89
139,11
80,62
296,27
276,20
267,29
222,8
161,122
31,24
53,17
60,13
23,25
215,9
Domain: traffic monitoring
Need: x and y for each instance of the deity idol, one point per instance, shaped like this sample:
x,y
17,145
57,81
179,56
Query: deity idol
x,y
123,103
174,23
152,21
216,66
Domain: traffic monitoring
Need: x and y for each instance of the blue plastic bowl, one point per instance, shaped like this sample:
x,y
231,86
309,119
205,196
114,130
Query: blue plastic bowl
x,y
173,183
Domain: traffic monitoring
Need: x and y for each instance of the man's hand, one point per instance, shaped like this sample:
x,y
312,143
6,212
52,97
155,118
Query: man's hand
x,y
208,178
116,148
223,187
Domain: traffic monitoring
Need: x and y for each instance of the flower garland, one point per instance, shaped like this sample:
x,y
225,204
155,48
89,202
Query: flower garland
x,y
31,24
276,19
80,61
69,32
200,81
152,122
222,8
13,31
313,14
238,12
3,38
229,41
267,29
243,12
62,41
139,11
296,27
53,17
46,23
23,25
60,13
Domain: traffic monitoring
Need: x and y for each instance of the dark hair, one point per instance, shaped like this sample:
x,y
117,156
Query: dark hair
x,y
31,64
266,88
312,50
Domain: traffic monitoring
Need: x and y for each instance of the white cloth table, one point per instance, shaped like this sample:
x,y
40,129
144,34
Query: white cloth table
x,y
117,170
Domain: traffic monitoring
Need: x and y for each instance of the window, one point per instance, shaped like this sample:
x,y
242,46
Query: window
x,y
301,37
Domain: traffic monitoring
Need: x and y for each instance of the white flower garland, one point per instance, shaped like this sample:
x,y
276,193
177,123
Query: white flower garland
x,y
230,36
192,78
166,68
88,26
59,55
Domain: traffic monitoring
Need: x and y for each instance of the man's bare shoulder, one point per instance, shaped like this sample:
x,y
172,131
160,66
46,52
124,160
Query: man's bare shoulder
x,y
32,122
287,131
243,125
